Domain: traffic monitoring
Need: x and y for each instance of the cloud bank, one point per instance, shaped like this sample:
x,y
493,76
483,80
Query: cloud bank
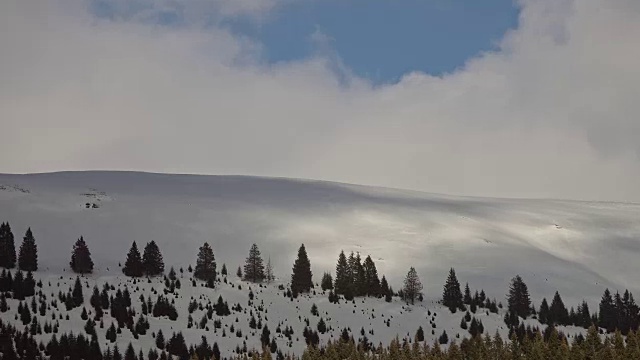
x,y
554,112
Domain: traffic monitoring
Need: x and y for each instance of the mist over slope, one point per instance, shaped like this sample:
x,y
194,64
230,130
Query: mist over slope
x,y
578,248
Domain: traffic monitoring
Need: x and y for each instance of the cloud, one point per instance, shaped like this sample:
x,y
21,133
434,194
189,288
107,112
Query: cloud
x,y
552,113
183,12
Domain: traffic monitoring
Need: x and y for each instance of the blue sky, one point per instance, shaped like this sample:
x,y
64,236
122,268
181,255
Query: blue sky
x,y
384,39
380,40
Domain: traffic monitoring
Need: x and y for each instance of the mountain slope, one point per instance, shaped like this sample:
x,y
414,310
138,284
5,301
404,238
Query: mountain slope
x,y
578,248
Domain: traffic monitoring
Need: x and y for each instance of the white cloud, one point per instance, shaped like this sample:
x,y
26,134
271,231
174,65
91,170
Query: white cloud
x,y
553,113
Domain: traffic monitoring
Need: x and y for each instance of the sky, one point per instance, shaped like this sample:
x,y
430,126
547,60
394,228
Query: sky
x,y
532,98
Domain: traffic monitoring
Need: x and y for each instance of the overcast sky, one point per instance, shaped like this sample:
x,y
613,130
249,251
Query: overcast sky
x,y
544,104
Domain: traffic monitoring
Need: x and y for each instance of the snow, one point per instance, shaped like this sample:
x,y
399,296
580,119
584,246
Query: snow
x,y
577,248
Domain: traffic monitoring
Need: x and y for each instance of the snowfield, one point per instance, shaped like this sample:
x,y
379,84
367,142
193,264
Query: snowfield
x,y
577,248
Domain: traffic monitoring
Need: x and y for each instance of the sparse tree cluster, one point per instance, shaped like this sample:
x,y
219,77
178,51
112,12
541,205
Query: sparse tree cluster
x,y
151,264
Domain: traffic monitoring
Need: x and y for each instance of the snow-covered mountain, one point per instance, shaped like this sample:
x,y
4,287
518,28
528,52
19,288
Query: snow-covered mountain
x,y
578,248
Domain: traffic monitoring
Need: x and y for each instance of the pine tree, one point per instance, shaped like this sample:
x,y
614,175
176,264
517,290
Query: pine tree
x,y
355,274
558,314
301,277
28,255
606,316
239,272
130,354
371,277
133,265
327,282
412,286
343,276
7,247
385,290
152,259
76,294
452,296
543,313
269,271
205,264
81,262
467,299
518,298
223,272
160,340
359,278
253,268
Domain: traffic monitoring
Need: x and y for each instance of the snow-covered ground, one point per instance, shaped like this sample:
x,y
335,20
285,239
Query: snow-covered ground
x,y
577,248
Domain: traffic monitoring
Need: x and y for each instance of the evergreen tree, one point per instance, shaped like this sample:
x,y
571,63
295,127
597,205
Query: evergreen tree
x,y
130,353
327,282
371,277
412,286
160,340
543,313
28,255
355,274
359,278
451,295
253,268
76,294
205,264
467,299
7,247
301,276
606,316
133,265
81,262
385,290
152,261
558,314
269,271
343,276
223,272
584,315
518,298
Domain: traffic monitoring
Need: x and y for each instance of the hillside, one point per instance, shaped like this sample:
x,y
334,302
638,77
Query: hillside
x,y
578,248
552,244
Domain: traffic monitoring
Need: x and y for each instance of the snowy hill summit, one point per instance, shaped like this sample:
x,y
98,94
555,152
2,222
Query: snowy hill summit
x,y
576,248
